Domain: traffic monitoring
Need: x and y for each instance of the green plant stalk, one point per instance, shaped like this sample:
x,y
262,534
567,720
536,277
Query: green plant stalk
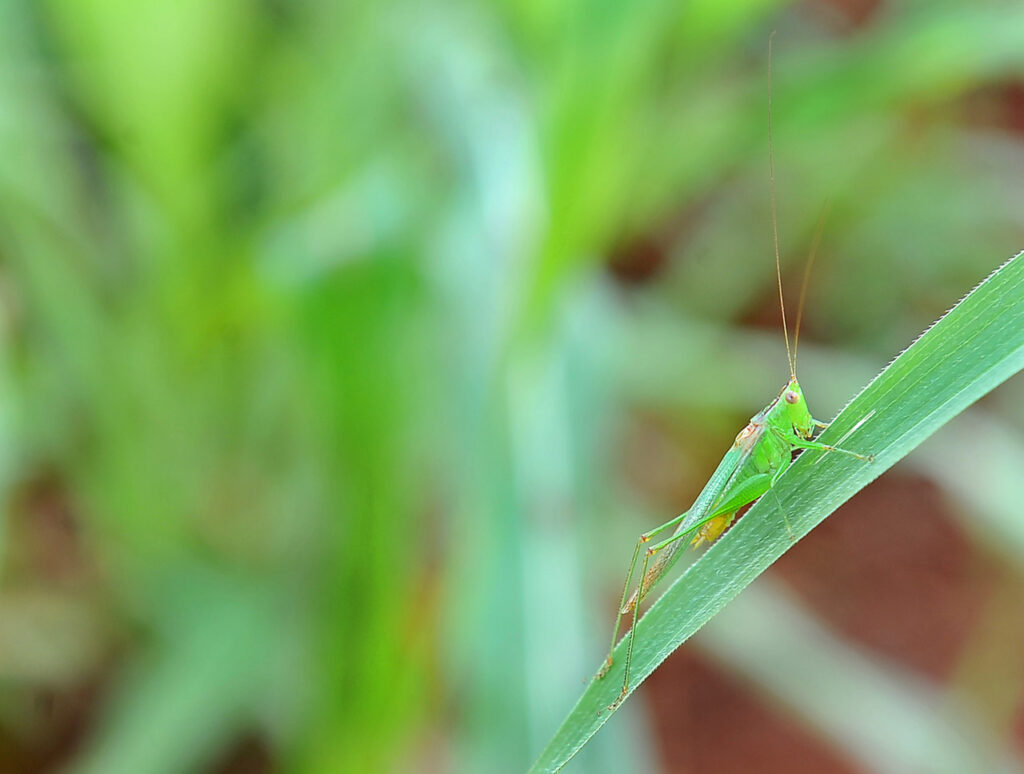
x,y
973,348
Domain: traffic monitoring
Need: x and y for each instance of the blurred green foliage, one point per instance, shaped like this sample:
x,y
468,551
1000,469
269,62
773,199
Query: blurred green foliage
x,y
326,426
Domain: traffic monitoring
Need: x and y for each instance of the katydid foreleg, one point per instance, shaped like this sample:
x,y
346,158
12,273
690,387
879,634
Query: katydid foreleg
x,y
802,443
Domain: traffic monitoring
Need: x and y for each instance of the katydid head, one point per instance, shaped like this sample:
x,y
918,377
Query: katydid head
x,y
796,409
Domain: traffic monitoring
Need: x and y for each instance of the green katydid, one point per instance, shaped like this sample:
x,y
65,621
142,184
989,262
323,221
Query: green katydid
x,y
761,453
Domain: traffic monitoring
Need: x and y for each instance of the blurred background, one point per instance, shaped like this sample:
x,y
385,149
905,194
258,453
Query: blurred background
x,y
345,349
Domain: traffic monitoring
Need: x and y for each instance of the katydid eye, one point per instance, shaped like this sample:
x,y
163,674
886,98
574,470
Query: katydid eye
x,y
791,397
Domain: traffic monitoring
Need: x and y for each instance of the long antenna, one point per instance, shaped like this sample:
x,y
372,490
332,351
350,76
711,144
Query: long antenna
x,y
775,225
818,230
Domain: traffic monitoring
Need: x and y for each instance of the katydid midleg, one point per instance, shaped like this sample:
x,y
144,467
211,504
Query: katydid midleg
x,y
761,453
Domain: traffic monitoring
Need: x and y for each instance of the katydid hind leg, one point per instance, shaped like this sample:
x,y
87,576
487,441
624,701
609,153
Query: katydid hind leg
x,y
641,541
670,544
649,576
664,553
629,645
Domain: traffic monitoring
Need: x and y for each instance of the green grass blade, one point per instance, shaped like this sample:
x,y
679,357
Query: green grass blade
x,y
977,345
